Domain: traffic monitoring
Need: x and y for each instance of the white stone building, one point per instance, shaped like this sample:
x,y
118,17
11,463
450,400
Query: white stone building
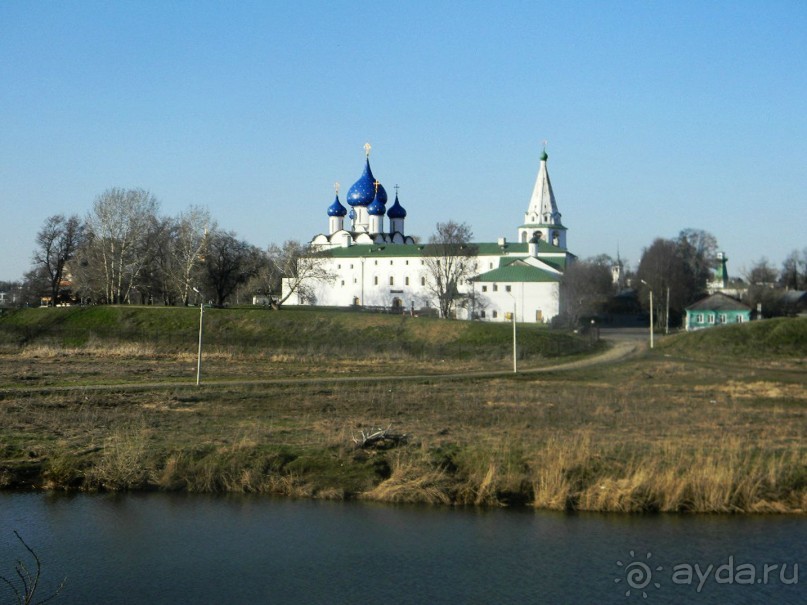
x,y
374,266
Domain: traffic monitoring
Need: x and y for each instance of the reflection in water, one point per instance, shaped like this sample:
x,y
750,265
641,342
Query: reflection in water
x,y
159,548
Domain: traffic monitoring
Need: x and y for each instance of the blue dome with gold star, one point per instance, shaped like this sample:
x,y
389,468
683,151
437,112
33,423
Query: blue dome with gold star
x,y
337,209
396,210
363,191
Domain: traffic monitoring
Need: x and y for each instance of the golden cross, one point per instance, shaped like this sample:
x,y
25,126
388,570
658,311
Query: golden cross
x,y
396,190
376,183
336,187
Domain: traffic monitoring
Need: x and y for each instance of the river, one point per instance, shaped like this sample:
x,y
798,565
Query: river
x,y
169,548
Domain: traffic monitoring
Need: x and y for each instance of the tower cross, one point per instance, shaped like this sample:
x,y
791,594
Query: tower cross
x,y
367,148
336,187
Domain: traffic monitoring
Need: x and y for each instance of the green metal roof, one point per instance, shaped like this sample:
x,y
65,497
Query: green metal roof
x,y
518,272
482,249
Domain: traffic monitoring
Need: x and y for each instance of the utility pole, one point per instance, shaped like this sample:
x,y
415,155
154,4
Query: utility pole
x,y
651,311
201,324
667,314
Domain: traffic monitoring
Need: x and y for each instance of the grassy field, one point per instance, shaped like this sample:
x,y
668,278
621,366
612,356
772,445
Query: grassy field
x,y
706,422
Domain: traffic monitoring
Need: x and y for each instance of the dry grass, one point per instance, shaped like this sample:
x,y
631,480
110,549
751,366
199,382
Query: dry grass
x,y
652,434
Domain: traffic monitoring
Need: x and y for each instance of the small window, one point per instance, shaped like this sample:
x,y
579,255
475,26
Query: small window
x,y
407,262
339,266
482,314
495,314
699,318
739,319
355,280
711,318
391,280
507,288
495,287
422,281
376,262
390,263
406,281
484,288
375,280
723,318
490,265
351,265
343,282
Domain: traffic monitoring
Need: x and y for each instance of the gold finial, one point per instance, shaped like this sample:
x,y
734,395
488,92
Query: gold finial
x,y
367,148
376,183
336,187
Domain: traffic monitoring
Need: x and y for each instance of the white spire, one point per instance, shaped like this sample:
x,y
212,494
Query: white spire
x,y
543,209
542,217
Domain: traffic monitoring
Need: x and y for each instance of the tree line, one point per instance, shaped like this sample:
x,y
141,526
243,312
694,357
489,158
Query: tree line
x,y
125,252
678,271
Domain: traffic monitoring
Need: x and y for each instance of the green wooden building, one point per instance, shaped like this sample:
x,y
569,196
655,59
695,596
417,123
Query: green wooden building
x,y
715,310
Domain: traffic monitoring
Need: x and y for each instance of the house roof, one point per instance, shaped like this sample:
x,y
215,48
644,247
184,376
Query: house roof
x,y
518,271
482,249
718,302
792,297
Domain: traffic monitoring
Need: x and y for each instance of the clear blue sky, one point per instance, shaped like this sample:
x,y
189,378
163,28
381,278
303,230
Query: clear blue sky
x,y
659,116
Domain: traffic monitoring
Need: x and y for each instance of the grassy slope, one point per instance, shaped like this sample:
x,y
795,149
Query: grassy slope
x,y
296,329
664,432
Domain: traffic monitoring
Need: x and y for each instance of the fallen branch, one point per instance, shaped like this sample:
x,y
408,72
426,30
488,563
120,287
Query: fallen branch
x,y
378,438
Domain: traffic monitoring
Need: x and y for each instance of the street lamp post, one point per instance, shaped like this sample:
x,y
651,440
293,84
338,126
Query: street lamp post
x,y
201,324
515,345
651,311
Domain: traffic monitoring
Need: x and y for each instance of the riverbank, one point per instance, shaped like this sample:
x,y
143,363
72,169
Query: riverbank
x,y
662,431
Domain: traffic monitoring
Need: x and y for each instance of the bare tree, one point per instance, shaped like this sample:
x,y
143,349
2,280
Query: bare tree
x,y
586,287
664,269
698,249
762,292
297,267
794,271
449,261
57,242
228,263
186,245
121,227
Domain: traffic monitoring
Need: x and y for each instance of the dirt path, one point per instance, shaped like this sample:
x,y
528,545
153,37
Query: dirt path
x,y
618,351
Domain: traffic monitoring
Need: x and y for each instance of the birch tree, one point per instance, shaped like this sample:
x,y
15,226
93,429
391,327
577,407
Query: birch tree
x,y
186,247
120,226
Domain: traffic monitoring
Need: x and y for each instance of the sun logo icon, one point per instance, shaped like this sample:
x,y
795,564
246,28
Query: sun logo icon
x,y
638,575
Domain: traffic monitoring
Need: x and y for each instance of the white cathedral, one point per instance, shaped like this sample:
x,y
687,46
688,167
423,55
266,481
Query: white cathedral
x,y
371,266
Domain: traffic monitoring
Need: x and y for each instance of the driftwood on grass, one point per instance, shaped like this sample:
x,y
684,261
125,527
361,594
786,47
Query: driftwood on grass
x,y
378,438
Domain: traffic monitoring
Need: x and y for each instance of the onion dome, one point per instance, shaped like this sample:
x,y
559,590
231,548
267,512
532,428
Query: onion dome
x,y
376,208
363,191
396,210
337,209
